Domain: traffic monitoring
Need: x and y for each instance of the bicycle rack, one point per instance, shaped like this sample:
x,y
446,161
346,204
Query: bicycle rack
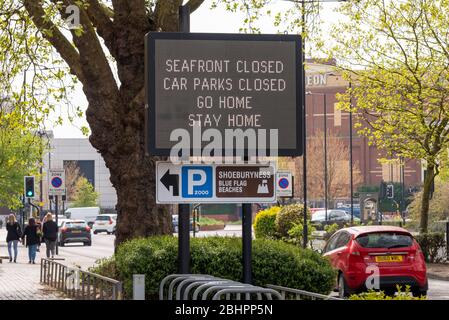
x,y
206,287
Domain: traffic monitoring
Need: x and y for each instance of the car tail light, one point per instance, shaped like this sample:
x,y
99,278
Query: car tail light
x,y
64,229
87,228
110,221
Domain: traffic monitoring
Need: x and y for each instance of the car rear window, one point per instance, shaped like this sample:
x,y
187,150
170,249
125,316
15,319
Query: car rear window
x,y
102,218
75,224
385,240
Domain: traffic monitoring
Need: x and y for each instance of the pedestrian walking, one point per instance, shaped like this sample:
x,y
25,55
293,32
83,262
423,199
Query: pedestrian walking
x,y
32,239
50,234
13,236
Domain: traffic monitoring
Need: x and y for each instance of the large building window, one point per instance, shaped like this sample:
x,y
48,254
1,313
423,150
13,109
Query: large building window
x,y
86,169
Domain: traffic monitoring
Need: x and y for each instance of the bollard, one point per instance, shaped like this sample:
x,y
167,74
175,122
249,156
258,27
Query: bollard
x,y
138,287
447,240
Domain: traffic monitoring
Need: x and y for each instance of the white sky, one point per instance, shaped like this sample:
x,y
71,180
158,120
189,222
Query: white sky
x,y
202,20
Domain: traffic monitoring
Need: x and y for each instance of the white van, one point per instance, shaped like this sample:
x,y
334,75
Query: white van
x,y
87,213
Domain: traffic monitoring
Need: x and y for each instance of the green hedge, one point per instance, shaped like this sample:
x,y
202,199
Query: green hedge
x,y
433,246
274,262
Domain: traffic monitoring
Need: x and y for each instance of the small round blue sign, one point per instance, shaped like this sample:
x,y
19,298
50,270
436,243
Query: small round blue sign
x,y
283,183
56,182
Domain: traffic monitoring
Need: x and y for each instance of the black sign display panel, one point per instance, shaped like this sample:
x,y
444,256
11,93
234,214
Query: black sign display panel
x,y
223,81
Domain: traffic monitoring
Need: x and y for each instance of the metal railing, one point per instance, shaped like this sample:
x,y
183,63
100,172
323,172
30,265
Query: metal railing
x,y
79,284
206,287
296,294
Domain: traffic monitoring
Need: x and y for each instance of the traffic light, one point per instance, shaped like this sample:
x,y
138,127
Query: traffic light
x,y
383,189
29,187
390,191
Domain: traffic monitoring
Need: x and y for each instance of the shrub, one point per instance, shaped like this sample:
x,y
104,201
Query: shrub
x,y
330,230
265,223
433,246
274,262
380,295
296,234
288,216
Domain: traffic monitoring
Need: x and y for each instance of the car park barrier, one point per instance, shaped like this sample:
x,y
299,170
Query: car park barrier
x,y
206,287
296,294
79,284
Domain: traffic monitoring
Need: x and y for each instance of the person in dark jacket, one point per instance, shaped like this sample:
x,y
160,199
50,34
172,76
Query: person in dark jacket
x,y
32,239
50,231
13,236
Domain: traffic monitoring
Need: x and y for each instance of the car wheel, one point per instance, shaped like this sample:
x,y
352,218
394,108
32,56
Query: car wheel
x,y
419,293
343,289
88,244
390,292
61,244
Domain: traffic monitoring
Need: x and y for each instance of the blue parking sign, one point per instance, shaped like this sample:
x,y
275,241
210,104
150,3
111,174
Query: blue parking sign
x,y
197,182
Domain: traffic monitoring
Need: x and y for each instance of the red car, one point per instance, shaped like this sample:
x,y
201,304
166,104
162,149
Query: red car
x,y
360,253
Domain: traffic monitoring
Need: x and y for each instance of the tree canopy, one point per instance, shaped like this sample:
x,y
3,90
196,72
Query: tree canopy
x,y
20,154
396,55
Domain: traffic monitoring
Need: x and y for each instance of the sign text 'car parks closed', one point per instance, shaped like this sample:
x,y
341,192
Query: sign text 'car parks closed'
x,y
223,81
215,183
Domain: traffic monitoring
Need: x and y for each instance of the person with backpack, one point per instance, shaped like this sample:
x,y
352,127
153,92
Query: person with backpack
x,y
50,234
13,236
32,239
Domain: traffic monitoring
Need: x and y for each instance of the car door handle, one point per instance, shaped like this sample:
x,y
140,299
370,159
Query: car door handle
x,y
339,253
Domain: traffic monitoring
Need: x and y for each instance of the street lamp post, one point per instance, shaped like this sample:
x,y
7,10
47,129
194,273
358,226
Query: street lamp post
x,y
350,156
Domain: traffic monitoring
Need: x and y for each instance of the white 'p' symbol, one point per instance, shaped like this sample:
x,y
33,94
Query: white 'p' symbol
x,y
192,182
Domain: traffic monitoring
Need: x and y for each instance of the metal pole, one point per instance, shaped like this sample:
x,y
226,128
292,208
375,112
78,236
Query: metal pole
x,y
246,242
184,209
56,214
247,237
325,155
304,121
350,157
402,189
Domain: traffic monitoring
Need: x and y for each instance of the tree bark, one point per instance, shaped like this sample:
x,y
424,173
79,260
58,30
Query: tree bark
x,y
429,178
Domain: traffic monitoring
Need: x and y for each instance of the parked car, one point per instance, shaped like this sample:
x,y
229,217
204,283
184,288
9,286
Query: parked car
x,y
356,210
392,249
74,231
175,220
85,213
105,223
333,216
313,210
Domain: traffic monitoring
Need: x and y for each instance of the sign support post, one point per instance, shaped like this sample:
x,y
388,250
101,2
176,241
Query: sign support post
x,y
247,239
184,209
56,214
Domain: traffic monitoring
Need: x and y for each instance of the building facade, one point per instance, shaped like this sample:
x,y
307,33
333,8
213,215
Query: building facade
x,y
90,163
321,79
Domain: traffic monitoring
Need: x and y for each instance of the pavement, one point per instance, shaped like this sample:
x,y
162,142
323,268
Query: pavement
x,y
20,281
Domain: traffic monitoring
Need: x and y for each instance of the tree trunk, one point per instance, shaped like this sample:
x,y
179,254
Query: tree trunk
x,y
428,180
133,177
